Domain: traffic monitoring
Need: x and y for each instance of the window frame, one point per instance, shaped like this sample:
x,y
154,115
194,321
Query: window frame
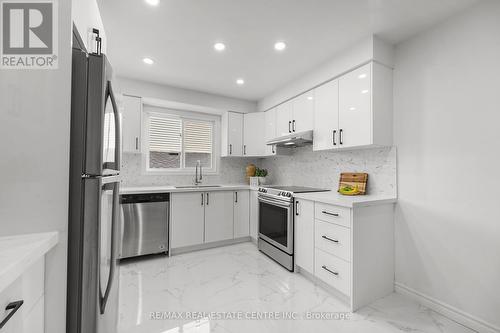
x,y
150,110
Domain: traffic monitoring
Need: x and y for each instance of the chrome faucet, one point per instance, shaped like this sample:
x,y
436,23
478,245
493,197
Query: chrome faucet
x,y
197,180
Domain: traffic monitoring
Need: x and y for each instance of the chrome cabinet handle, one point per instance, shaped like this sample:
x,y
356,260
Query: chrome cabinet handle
x,y
273,149
202,199
230,149
289,124
330,239
136,143
244,149
329,270
236,194
329,213
14,306
207,198
296,208
341,136
293,125
334,134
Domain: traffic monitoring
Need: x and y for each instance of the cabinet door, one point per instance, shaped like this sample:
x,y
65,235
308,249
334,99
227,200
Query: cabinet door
x,y
131,124
254,140
187,219
241,213
304,234
218,216
326,116
270,129
284,119
303,112
355,113
235,133
254,214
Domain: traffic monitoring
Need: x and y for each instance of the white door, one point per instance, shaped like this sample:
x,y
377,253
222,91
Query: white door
x,y
284,119
254,214
187,218
304,234
254,136
355,113
303,112
270,129
235,133
326,116
218,216
131,124
241,213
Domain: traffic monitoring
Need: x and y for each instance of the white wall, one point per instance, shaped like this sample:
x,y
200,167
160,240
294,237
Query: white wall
x,y
86,15
371,48
180,95
447,131
34,167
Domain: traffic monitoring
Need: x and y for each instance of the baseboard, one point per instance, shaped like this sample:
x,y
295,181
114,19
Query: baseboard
x,y
205,246
447,310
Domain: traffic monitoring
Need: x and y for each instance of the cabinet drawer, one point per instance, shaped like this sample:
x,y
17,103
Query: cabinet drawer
x,y
334,271
333,214
333,239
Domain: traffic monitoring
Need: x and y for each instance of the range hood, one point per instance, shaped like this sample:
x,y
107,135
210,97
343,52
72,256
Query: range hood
x,y
293,140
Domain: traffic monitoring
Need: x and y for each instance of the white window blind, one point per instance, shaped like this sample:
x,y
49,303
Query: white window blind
x,y
198,136
165,134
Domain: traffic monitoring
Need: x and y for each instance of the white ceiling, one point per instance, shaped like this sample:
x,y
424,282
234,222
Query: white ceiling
x,y
179,35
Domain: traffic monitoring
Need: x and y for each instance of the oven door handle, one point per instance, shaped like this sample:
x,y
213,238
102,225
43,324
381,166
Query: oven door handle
x,y
275,202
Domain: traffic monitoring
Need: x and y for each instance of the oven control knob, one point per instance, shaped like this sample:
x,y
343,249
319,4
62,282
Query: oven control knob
x,y
289,195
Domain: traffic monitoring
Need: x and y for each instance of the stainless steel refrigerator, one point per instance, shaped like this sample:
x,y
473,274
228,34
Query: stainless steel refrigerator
x,y
92,292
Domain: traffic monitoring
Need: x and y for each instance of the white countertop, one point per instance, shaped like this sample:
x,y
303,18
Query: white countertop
x,y
334,198
173,189
19,252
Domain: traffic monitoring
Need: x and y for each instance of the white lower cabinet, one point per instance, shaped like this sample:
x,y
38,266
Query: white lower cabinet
x,y
218,216
197,218
349,249
28,288
304,235
241,213
187,218
254,214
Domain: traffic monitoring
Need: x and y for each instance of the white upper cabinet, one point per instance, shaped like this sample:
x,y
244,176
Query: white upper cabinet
x,y
254,138
303,112
232,134
284,114
131,124
355,110
270,129
326,117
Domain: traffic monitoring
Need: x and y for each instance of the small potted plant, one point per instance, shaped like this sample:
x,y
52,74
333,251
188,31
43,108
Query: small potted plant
x,y
261,173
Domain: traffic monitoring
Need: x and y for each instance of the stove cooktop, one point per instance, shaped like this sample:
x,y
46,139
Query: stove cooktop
x,y
296,189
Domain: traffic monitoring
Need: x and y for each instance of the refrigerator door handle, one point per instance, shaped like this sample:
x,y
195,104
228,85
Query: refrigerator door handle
x,y
116,115
103,298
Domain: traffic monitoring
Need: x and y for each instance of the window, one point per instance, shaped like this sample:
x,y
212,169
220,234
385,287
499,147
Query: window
x,y
176,143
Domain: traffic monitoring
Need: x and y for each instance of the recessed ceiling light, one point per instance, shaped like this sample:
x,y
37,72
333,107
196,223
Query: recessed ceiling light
x,y
148,61
240,82
219,46
364,91
153,2
362,76
352,108
279,46
310,98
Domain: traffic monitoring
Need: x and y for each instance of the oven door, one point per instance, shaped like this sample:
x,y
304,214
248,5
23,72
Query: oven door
x,y
276,223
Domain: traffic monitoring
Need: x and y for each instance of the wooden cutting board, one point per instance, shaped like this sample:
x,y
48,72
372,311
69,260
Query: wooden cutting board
x,y
353,183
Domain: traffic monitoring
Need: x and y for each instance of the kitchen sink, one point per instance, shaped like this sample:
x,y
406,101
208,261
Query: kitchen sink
x,y
197,186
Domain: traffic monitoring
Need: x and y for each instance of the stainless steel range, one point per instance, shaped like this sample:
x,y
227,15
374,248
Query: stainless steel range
x,y
276,219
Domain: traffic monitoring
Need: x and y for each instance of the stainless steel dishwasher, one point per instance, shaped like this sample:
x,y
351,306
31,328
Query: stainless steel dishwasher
x,y
145,219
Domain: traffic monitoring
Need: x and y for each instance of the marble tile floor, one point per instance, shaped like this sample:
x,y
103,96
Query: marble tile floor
x,y
206,291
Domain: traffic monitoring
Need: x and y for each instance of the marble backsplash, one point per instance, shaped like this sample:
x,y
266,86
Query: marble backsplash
x,y
322,169
303,167
231,171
